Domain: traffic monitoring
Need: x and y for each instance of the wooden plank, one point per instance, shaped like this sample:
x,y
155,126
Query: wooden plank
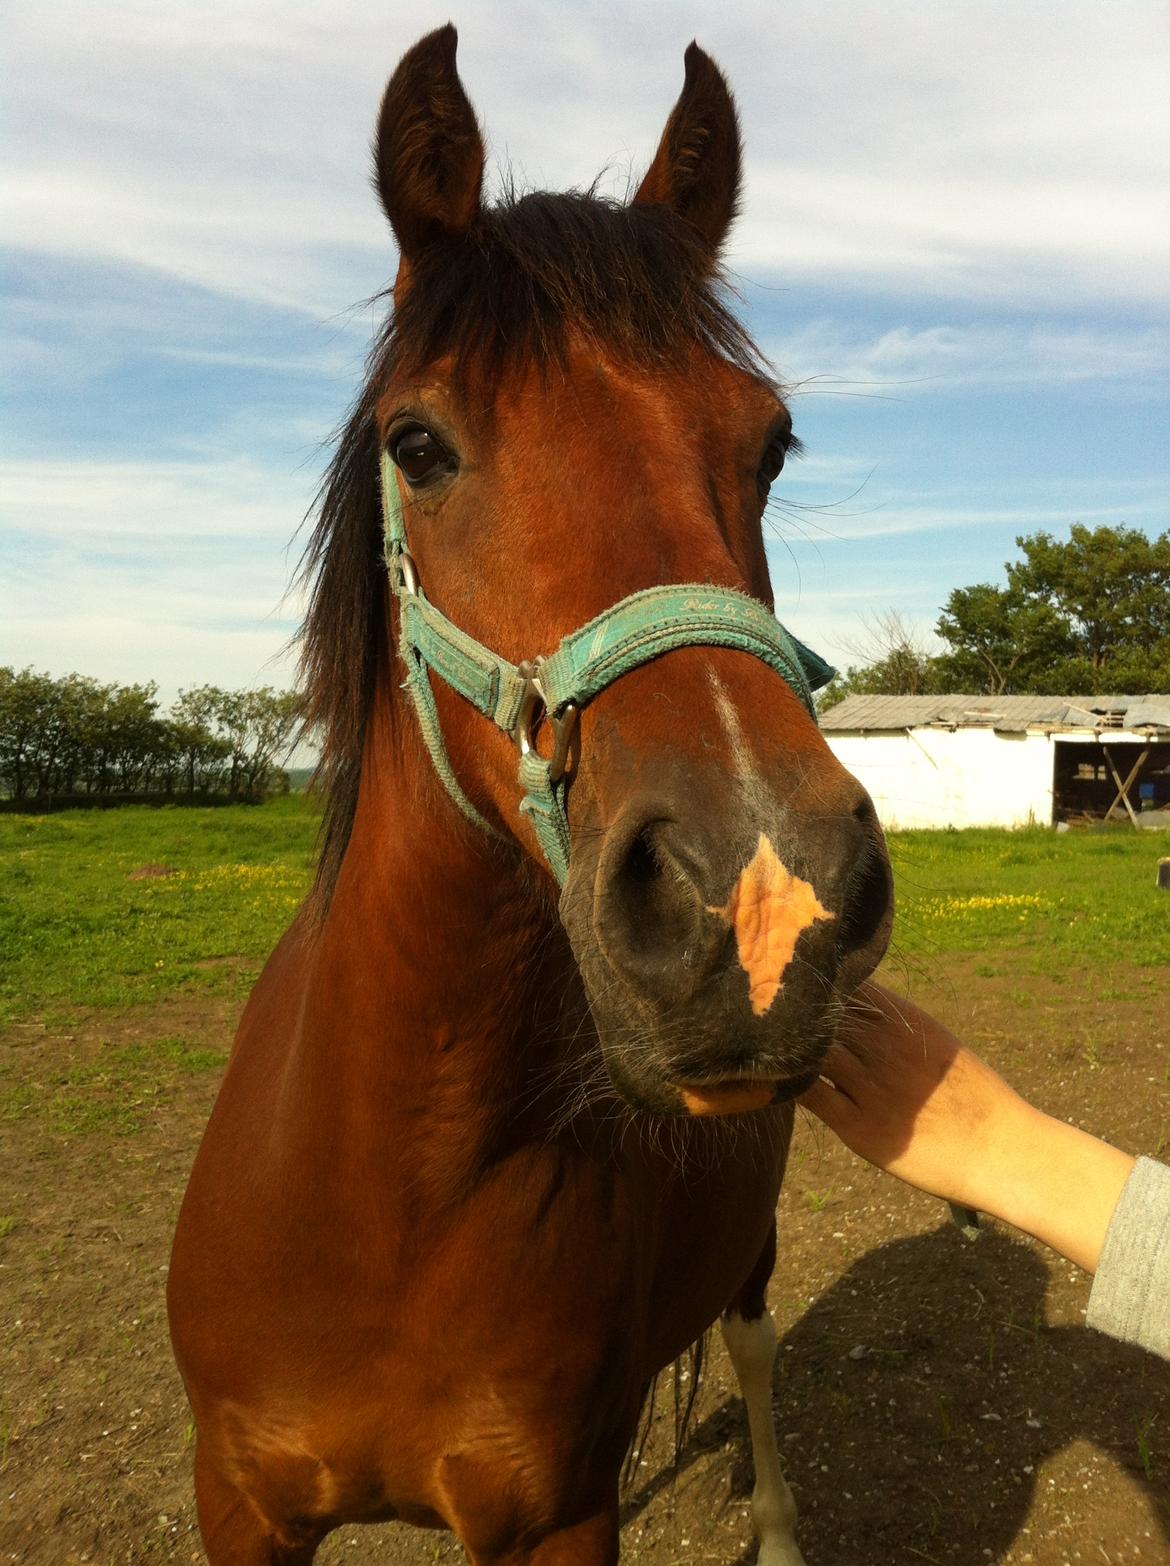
x,y
1123,788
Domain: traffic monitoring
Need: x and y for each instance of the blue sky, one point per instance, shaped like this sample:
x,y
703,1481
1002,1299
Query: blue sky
x,y
955,244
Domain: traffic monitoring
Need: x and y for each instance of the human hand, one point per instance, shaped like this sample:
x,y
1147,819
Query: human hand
x,y
899,1089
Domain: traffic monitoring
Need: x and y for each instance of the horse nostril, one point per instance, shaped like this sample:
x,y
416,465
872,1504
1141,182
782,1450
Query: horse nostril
x,y
652,903
870,891
641,865
648,889
866,905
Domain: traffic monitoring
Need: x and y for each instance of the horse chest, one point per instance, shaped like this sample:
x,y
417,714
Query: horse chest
x,y
592,1272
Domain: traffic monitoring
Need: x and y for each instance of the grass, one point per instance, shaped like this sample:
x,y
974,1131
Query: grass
x,y
78,934
76,931
1057,904
111,1090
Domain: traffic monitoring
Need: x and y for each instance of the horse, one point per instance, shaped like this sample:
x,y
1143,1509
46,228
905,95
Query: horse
x,y
504,1124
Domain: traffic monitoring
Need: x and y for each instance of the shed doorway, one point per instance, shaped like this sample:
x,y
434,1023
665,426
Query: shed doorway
x,y
1087,780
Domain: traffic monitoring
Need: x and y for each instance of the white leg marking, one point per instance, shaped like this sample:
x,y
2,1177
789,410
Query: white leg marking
x,y
752,1346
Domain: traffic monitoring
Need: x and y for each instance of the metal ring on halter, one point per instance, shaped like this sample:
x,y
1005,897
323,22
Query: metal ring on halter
x,y
533,706
410,582
564,726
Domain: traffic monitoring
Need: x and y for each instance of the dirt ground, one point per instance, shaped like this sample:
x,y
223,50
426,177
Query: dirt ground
x,y
937,1400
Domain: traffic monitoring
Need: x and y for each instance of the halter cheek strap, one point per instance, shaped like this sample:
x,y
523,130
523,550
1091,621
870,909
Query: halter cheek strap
x,y
640,628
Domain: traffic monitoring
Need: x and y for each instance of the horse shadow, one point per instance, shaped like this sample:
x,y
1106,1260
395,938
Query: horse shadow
x,y
919,1398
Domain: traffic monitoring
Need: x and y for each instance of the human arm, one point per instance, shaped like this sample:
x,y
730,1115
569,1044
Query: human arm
x,y
899,1089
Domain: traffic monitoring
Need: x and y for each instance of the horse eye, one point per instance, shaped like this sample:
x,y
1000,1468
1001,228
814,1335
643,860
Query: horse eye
x,y
772,465
419,455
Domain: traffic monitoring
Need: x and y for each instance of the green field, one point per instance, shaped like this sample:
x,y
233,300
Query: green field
x,y
85,936
78,931
1052,903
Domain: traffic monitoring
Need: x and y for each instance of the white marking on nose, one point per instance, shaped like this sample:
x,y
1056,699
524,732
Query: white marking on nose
x,y
768,909
741,752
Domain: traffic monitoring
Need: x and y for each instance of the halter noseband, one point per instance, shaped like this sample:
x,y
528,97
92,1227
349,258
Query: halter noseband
x,y
633,632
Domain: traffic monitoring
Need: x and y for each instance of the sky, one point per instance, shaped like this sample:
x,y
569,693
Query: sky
x,y
954,247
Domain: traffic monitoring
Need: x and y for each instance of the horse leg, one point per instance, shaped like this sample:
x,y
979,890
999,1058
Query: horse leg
x,y
232,1530
751,1341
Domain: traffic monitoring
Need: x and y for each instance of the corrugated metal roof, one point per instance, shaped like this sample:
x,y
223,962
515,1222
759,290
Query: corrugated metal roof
x,y
1153,711
1008,714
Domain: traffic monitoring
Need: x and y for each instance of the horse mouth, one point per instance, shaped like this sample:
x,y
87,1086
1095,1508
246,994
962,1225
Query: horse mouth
x,y
741,1095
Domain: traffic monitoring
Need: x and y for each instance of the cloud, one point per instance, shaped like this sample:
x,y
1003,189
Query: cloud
x,y
893,518
839,625
825,355
103,500
178,572
188,204
974,150
820,468
121,648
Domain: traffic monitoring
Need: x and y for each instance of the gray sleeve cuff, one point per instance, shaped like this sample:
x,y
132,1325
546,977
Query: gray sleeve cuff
x,y
1130,1298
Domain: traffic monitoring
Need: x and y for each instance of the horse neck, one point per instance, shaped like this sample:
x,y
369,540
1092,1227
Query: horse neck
x,y
441,980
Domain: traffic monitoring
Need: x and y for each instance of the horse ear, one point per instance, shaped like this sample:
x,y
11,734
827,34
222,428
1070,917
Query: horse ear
x,y
428,151
696,168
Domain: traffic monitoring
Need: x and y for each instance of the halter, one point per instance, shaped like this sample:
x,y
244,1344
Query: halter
x,y
516,696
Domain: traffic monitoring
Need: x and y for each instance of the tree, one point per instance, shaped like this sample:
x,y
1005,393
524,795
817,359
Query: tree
x,y
232,740
201,750
137,741
999,640
258,726
1087,615
894,662
22,697
41,721
274,720
81,732
61,736
1110,585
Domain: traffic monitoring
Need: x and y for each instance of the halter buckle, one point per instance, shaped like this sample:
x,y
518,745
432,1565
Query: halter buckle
x,y
408,580
534,708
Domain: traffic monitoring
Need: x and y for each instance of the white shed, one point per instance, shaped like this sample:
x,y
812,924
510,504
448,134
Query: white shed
x,y
959,761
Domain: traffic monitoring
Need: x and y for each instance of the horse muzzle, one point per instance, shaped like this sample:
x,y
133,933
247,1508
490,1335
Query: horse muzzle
x,y
717,951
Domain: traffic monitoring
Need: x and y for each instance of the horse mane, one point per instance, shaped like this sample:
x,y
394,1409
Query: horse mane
x,y
635,279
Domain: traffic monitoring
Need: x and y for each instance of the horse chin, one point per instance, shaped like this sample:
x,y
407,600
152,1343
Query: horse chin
x,y
678,1068
720,1097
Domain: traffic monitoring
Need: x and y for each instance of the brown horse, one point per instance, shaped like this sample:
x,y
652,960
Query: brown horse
x,y
490,1153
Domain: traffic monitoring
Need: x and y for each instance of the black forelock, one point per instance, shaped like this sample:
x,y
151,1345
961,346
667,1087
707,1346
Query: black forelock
x,y
637,280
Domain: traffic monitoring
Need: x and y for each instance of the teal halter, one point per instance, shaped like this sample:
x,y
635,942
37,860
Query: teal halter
x,y
639,628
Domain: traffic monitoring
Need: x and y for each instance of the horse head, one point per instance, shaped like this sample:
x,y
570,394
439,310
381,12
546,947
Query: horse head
x,y
569,418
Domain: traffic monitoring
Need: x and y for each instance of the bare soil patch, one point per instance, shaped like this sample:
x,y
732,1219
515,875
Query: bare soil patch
x,y
937,1400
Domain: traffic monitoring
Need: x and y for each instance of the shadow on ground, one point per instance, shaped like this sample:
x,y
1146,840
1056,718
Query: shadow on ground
x,y
920,1401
